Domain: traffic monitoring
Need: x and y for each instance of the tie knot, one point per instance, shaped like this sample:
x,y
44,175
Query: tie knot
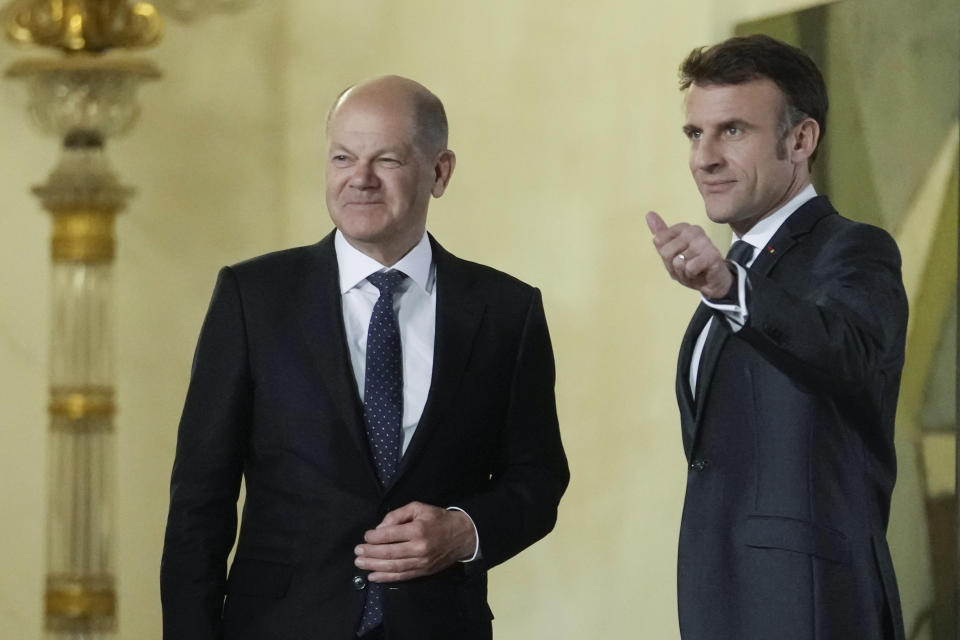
x,y
740,252
386,281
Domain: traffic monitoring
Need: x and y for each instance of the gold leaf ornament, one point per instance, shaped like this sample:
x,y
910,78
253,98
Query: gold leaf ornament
x,y
82,25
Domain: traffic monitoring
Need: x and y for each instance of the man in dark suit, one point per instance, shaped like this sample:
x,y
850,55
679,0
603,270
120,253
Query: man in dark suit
x,y
389,406
789,371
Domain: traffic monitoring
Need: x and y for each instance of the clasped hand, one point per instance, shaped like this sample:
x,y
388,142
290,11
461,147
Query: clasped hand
x,y
690,257
415,540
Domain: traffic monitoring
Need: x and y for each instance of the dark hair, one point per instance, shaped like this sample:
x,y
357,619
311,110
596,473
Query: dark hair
x,y
431,121
746,58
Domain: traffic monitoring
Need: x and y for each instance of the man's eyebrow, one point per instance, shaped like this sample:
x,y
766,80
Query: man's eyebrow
x,y
726,124
390,149
736,122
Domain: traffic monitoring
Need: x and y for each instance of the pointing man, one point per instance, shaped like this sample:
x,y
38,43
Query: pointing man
x,y
789,371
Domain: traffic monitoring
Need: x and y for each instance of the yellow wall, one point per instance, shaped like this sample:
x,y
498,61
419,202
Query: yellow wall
x,y
565,119
24,265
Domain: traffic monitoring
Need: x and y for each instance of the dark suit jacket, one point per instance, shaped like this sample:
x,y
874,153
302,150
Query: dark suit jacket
x,y
790,443
272,398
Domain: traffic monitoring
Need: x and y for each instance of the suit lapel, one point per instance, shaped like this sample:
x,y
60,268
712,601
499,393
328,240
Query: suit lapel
x,y
458,317
685,398
325,338
797,225
716,338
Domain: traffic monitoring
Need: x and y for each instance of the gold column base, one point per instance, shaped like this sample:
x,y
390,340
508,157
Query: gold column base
x,y
84,235
80,603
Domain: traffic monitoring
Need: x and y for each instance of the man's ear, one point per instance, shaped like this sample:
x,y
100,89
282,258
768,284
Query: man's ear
x,y
804,139
442,170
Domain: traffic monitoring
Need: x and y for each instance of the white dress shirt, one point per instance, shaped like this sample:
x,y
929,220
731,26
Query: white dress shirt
x,y
758,236
415,303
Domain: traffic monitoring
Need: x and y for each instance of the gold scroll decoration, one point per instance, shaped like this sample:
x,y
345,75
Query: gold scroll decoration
x,y
80,602
83,235
82,25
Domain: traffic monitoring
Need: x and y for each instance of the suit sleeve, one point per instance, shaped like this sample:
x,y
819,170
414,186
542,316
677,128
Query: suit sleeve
x,y
844,323
201,526
520,506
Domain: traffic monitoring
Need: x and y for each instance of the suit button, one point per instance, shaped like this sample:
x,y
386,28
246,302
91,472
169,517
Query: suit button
x,y
698,464
359,583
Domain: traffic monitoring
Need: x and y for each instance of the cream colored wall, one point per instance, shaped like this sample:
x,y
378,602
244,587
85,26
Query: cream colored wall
x,y
566,121
207,160
24,275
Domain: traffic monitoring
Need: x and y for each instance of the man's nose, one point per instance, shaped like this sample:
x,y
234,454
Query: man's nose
x,y
706,155
363,176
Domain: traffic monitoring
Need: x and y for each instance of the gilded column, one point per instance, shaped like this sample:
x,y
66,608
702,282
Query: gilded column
x,y
84,97
80,599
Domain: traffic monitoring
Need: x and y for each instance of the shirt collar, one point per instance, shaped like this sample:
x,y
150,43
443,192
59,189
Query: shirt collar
x,y
355,266
760,234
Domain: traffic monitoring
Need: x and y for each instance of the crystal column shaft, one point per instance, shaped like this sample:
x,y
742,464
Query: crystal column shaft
x,y
80,590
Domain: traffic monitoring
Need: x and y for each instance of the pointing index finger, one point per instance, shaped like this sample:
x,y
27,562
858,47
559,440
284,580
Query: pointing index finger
x,y
655,222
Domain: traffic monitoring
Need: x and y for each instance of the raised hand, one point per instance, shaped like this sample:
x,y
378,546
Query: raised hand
x,y
690,257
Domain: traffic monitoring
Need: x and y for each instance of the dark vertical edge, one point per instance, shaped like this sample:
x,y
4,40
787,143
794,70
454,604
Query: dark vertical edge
x,y
811,26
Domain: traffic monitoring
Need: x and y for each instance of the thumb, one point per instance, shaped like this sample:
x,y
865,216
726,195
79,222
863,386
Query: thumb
x,y
655,222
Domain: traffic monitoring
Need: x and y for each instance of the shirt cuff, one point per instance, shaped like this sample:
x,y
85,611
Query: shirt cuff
x,y
476,535
734,305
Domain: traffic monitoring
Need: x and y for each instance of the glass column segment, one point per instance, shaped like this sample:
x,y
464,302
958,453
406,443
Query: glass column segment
x,y
80,590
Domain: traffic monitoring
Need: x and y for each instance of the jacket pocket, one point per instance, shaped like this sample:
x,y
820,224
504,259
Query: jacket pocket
x,y
263,578
800,536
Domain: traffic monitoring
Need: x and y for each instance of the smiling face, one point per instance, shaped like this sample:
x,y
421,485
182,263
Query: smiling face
x,y
743,168
378,179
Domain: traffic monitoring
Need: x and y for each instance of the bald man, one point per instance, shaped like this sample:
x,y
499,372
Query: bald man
x,y
389,406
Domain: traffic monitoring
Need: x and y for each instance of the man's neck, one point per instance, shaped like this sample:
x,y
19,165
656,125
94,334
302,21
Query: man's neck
x,y
387,254
763,229
741,227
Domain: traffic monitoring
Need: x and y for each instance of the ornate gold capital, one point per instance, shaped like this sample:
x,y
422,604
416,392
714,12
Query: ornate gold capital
x,y
80,602
77,403
82,25
83,236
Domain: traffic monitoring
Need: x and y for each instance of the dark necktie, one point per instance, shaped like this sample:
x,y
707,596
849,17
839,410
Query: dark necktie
x,y
740,252
382,406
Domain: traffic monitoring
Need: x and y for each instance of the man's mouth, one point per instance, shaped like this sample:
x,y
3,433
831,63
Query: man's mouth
x,y
716,186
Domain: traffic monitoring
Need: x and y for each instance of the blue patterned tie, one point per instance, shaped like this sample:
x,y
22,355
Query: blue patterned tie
x,y
382,406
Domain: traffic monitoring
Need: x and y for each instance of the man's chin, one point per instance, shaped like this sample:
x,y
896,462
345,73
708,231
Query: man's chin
x,y
361,225
366,237
719,215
